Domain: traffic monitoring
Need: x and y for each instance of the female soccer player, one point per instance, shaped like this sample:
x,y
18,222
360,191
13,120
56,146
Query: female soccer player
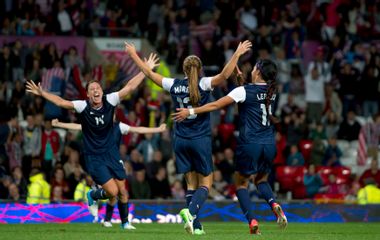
x,y
192,143
119,129
100,150
256,144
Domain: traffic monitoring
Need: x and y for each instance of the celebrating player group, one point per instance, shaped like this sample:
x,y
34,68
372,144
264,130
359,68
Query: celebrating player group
x,y
191,134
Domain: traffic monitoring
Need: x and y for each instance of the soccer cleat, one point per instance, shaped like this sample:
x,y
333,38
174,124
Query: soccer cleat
x,y
107,224
127,226
254,227
188,220
198,231
282,221
92,204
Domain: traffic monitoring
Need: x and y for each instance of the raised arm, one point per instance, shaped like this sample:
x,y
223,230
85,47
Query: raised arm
x,y
152,62
69,126
143,130
230,66
183,113
156,78
57,100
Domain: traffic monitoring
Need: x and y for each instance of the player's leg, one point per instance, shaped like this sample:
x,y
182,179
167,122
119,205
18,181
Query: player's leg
x,y
241,183
265,190
192,184
261,182
109,211
123,205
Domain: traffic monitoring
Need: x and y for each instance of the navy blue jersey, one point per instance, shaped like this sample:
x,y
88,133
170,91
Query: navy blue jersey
x,y
97,124
254,124
195,126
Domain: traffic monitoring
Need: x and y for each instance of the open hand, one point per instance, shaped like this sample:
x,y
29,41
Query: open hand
x,y
153,61
181,114
130,48
33,88
243,47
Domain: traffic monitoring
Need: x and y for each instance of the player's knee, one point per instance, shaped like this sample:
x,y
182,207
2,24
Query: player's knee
x,y
112,193
123,194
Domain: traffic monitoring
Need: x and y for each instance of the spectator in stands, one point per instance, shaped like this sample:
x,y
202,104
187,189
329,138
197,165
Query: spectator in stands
x,y
333,154
73,180
81,189
331,124
31,144
153,166
349,128
370,194
332,187
72,59
373,172
72,162
322,67
38,189
318,132
159,185
65,25
148,146
140,188
371,132
59,187
283,68
137,161
297,84
295,158
177,190
20,182
225,165
333,104
289,107
50,142
14,194
5,182
370,81
219,185
314,94
312,181
349,85
14,150
317,153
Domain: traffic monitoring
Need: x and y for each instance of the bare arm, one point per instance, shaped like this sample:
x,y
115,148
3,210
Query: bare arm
x,y
183,113
69,126
157,78
151,63
143,130
230,66
57,100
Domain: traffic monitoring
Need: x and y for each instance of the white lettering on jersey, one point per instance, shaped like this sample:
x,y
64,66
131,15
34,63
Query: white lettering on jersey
x,y
181,89
99,120
262,96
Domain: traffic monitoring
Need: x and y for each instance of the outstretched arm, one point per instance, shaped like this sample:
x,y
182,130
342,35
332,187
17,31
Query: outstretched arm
x,y
69,126
57,100
157,78
230,66
152,62
143,130
183,113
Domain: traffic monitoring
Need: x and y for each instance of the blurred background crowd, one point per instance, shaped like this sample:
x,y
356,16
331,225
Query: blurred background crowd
x,y
328,57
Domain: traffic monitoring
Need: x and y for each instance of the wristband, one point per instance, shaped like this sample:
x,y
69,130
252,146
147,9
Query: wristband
x,y
191,111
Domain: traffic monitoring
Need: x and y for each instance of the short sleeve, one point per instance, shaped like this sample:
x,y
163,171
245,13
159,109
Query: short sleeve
x,y
124,128
238,94
79,105
113,98
205,83
167,83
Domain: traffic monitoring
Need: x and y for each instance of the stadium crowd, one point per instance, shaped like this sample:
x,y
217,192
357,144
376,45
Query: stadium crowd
x,y
328,56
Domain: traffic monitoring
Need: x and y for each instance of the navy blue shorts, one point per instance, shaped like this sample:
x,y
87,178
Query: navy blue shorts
x,y
254,158
193,155
103,167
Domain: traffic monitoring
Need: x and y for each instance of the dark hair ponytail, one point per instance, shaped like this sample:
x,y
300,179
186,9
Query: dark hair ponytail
x,y
268,72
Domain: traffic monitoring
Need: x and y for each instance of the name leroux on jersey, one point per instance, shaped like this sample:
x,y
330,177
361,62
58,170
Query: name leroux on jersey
x,y
181,89
262,96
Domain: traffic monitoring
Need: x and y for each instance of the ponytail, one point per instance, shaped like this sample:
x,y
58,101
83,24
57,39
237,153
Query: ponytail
x,y
193,86
272,90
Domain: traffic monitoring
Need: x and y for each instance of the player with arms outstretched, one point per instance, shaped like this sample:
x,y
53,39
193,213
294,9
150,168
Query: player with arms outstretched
x,y
119,130
100,150
192,137
256,143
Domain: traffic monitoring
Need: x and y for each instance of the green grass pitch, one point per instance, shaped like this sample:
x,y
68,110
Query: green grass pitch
x,y
218,231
